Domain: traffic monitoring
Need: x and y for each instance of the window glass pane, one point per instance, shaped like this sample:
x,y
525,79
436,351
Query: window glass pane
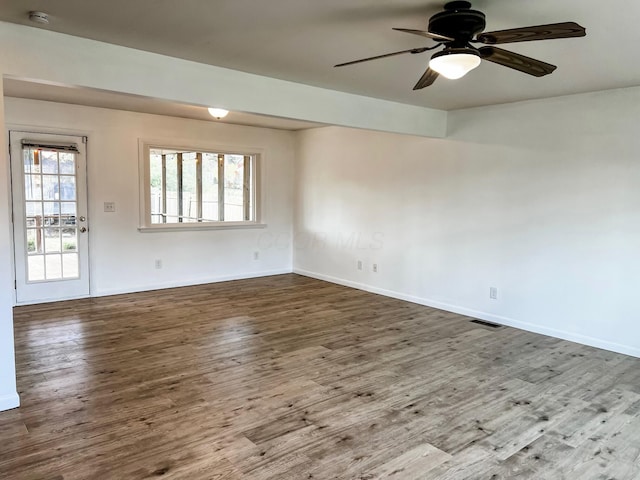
x,y
172,188
189,188
155,176
49,161
210,186
192,192
248,189
35,268
233,188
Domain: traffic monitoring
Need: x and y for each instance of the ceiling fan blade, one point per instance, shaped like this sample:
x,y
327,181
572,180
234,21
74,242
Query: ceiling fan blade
x,y
516,61
423,33
536,32
427,78
413,50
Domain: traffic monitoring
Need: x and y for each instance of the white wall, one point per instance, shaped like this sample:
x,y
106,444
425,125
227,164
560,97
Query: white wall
x,y
122,258
539,199
8,393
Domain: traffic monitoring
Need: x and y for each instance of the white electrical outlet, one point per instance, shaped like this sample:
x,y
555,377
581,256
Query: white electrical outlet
x,y
158,263
493,293
374,267
359,264
109,207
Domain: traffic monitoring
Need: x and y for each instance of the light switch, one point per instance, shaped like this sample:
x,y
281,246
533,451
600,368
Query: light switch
x,y
109,206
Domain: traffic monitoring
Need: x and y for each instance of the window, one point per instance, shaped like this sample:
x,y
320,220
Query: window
x,y
192,187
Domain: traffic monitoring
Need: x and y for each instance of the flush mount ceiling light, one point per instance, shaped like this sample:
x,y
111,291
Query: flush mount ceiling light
x,y
39,17
454,63
218,113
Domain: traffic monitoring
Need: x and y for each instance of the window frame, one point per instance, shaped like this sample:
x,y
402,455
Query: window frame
x,y
144,166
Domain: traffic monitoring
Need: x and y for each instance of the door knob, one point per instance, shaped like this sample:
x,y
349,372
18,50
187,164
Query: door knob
x,y
83,229
82,219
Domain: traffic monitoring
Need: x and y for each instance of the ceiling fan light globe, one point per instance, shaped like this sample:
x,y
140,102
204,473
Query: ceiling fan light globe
x,y
454,65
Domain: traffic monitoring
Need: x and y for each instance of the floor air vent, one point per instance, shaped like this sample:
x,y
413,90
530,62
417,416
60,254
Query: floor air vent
x,y
486,324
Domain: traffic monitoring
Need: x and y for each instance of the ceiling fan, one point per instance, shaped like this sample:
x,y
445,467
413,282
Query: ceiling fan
x,y
456,27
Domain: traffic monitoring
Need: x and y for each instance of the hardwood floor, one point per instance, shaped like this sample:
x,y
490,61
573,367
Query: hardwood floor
x,y
288,377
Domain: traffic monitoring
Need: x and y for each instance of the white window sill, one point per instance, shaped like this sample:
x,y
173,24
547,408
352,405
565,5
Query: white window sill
x,y
184,227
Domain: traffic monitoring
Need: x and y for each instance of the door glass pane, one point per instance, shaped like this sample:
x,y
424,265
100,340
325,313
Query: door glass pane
x,y
35,268
31,161
33,209
52,240
67,187
69,240
70,266
68,219
51,217
49,161
67,163
32,187
38,234
51,211
32,240
210,187
53,264
233,187
50,187
68,209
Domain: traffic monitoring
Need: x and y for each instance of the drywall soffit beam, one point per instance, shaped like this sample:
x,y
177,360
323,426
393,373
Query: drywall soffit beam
x,y
41,55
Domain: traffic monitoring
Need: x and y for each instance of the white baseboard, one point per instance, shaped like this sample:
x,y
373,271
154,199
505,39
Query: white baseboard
x,y
530,327
188,283
7,402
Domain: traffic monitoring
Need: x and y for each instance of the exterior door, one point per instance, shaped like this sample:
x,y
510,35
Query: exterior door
x,y
50,222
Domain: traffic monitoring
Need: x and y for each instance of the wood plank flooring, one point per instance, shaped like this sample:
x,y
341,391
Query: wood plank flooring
x,y
288,377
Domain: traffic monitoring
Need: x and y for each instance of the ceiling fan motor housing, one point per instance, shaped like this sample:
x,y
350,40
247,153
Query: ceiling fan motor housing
x,y
458,21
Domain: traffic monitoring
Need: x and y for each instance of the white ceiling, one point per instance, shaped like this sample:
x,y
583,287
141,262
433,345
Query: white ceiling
x,y
300,41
